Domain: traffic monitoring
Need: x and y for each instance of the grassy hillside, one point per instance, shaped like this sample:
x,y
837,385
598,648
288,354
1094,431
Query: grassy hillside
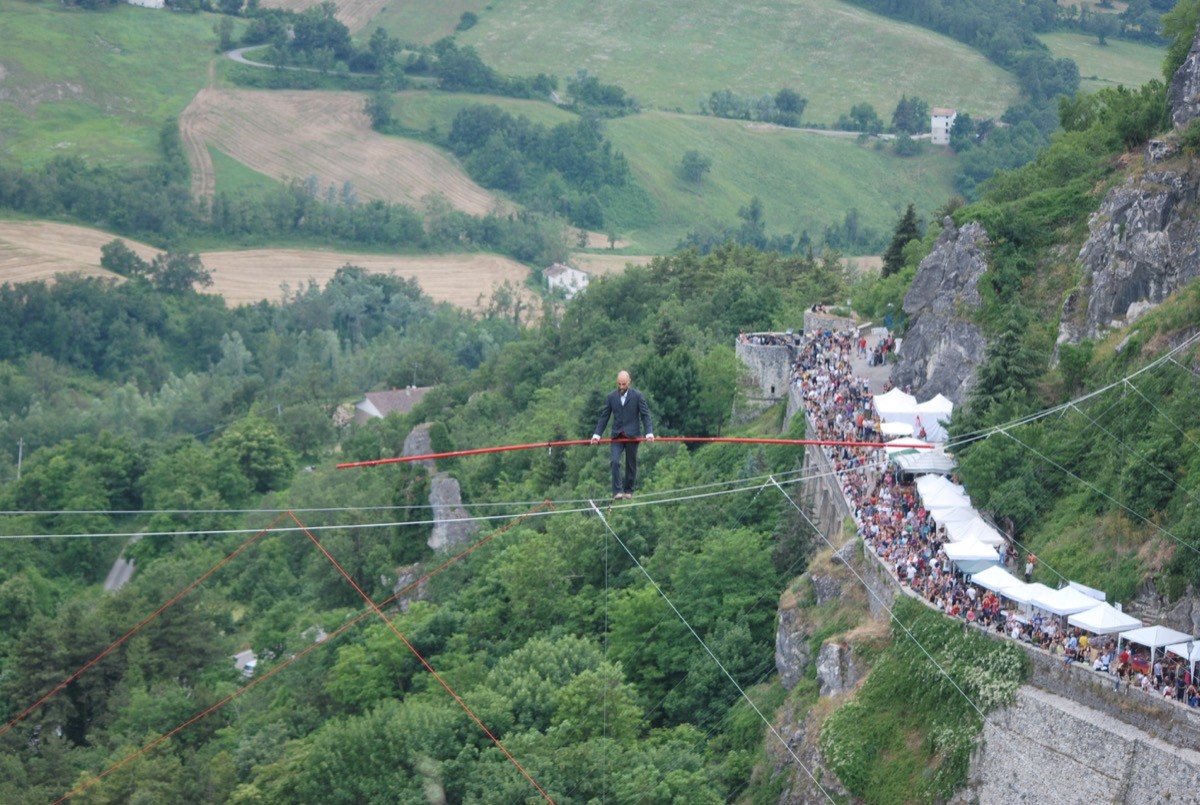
x,y
415,21
416,109
1129,63
671,56
805,181
95,84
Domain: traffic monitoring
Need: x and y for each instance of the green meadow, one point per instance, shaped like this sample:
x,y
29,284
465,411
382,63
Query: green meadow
x,y
670,56
421,111
1119,62
806,181
234,177
420,20
95,84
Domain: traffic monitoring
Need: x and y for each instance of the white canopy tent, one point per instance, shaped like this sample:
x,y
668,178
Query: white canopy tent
x,y
1065,601
953,514
971,557
1103,618
943,495
1099,595
925,461
896,406
1190,651
1023,593
931,415
932,484
945,498
1155,637
977,529
895,429
905,444
996,579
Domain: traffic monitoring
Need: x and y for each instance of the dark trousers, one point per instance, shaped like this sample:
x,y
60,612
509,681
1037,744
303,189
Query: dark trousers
x,y
630,450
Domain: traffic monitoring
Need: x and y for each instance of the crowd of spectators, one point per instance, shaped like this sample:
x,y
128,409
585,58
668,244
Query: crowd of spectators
x,y
903,535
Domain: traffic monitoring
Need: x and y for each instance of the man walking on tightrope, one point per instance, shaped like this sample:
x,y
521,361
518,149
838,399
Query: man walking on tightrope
x,y
630,415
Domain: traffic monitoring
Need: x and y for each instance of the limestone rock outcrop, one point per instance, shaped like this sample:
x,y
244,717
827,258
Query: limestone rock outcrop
x,y
837,670
1144,245
942,349
792,652
419,443
452,524
1184,93
1144,240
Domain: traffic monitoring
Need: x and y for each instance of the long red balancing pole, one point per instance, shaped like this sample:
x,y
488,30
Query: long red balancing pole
x,y
575,442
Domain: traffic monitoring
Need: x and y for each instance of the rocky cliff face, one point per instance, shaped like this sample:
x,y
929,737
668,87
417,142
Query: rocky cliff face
x,y
941,349
1184,92
1144,241
1144,244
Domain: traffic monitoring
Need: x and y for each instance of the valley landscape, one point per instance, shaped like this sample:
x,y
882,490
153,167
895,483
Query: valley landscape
x,y
236,297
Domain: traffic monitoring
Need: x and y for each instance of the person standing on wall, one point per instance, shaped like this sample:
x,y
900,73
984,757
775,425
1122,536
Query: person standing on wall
x,y
630,416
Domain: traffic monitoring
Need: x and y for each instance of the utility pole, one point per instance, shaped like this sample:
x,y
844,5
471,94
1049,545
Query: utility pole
x,y
20,454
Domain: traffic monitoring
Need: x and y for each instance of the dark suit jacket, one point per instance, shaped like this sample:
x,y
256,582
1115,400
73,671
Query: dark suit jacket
x,y
625,418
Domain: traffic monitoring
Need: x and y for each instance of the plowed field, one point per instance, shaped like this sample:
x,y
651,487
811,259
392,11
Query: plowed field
x,y
354,14
292,135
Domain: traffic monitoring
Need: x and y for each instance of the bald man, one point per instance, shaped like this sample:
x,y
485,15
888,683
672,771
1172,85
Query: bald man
x,y
630,415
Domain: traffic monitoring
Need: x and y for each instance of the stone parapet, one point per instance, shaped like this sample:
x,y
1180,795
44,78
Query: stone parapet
x,y
815,322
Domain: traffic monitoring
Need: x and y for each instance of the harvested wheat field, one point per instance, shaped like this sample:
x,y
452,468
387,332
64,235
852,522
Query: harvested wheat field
x,y
251,276
35,250
597,264
354,14
292,135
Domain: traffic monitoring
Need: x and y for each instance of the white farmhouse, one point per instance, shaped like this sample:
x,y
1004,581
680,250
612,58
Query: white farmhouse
x,y
940,123
571,280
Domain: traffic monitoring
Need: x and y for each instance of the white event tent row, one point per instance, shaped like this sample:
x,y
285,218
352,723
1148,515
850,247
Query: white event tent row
x,y
1083,608
950,507
930,416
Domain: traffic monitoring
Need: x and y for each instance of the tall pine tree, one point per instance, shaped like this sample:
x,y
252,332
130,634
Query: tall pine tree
x,y
906,230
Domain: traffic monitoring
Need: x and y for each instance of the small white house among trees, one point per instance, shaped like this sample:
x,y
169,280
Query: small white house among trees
x,y
571,280
940,123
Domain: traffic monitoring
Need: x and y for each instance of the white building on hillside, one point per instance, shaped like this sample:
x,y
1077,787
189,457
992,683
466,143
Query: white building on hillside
x,y
147,3
940,123
571,280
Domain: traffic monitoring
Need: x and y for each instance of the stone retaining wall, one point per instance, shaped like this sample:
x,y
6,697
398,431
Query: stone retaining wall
x,y
770,365
1070,737
1047,749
